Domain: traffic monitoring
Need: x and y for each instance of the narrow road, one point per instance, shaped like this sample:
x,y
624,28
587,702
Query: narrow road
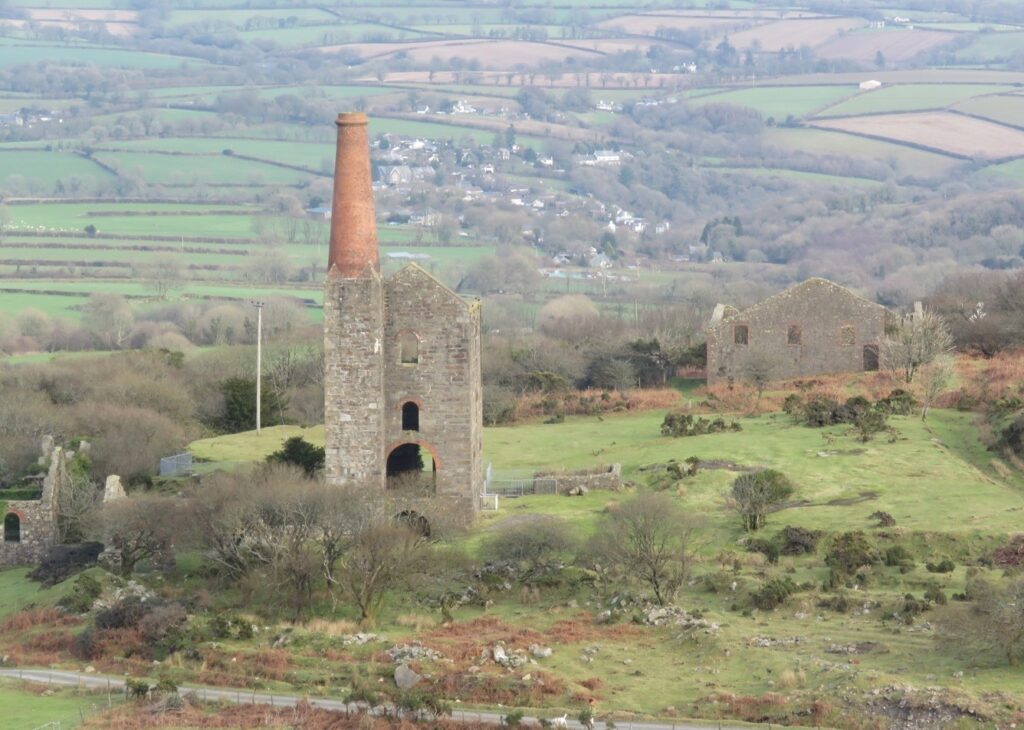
x,y
248,696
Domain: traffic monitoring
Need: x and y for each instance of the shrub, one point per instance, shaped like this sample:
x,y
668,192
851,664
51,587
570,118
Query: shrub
x,y
1012,437
799,540
794,406
768,548
63,561
240,405
944,566
684,424
513,719
83,594
296,451
867,424
757,493
163,628
898,403
773,593
537,547
818,411
137,689
848,553
840,603
124,614
884,519
897,556
935,594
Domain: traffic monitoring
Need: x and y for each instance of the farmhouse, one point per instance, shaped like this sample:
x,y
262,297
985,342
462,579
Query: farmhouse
x,y
403,396
812,328
870,85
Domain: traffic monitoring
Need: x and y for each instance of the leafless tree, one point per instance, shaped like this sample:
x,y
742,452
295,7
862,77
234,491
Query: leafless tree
x,y
137,529
916,341
934,379
650,538
992,621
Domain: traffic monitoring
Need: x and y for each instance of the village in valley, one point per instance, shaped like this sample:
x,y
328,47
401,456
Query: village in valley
x,y
565,365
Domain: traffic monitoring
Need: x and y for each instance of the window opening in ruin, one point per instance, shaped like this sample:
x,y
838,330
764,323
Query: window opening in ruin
x,y
740,334
409,344
414,521
12,528
847,335
410,417
411,467
796,334
870,358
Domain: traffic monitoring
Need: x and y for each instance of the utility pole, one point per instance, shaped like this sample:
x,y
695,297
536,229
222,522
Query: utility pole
x,y
259,362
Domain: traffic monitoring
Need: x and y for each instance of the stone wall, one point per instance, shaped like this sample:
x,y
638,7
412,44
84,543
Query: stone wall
x,y
38,532
834,328
354,380
604,478
443,384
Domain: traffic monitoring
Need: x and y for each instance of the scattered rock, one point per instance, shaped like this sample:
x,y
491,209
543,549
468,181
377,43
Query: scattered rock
x,y
540,652
578,491
415,650
90,669
360,639
113,489
405,678
672,616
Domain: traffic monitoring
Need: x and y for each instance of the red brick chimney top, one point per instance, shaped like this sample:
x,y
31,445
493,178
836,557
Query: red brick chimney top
x,y
353,221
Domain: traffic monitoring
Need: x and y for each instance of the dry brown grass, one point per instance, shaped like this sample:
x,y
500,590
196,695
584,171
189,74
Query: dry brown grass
x,y
328,627
951,133
34,618
594,402
142,716
417,621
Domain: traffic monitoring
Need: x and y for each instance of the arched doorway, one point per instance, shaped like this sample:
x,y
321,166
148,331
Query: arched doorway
x,y
410,416
12,528
870,358
411,466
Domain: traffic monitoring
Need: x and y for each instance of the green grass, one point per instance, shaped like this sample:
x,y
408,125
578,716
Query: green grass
x,y
779,102
196,170
1008,171
921,479
46,168
327,35
904,160
909,97
16,52
18,593
25,709
1005,108
304,154
815,178
989,47
238,18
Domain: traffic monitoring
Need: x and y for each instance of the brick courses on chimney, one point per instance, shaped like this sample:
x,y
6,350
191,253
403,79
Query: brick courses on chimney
x,y
369,381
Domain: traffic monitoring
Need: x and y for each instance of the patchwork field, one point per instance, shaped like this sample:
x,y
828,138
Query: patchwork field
x,y
895,45
651,23
779,102
990,47
1004,108
950,133
905,161
910,97
795,33
489,54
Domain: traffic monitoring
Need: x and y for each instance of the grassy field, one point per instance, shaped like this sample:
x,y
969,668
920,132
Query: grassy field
x,y
26,708
910,97
195,170
777,101
303,154
1005,108
989,47
905,160
46,168
14,52
937,480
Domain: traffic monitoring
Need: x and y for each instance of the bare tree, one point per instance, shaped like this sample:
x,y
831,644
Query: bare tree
x,y
383,557
110,318
758,371
916,341
137,529
993,620
77,504
650,538
934,379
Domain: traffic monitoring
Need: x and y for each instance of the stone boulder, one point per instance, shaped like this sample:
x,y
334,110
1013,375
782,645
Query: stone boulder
x,y
406,678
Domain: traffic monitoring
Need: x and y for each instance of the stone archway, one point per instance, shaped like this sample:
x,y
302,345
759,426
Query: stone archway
x,y
12,527
412,465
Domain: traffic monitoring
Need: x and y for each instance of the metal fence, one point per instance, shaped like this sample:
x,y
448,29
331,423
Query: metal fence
x,y
176,466
517,484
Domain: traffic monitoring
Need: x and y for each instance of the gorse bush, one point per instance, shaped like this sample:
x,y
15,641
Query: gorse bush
x,y
296,451
773,593
685,424
756,494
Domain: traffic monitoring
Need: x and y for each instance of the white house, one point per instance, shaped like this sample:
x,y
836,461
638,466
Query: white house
x,y
870,85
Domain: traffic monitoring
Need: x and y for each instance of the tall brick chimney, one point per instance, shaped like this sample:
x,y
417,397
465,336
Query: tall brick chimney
x,y
353,221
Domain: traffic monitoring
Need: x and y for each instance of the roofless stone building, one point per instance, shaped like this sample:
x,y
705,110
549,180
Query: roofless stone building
x,y
812,328
403,397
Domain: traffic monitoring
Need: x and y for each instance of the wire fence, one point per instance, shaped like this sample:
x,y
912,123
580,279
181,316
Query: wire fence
x,y
176,466
517,483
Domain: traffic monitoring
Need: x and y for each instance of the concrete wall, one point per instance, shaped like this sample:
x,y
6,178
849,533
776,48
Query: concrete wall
x,y
821,310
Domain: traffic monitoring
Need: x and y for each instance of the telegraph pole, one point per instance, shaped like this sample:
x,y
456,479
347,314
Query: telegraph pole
x,y
259,362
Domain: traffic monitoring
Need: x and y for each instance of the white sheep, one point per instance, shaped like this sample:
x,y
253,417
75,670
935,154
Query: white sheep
x,y
560,722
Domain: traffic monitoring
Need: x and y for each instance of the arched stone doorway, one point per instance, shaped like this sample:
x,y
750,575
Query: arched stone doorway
x,y
412,465
12,527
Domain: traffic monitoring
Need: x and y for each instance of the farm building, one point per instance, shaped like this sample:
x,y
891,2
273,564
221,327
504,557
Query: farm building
x,y
812,328
870,85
